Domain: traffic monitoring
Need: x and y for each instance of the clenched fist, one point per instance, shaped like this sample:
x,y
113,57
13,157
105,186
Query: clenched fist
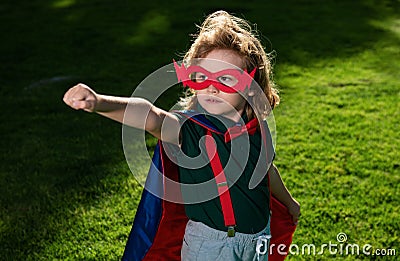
x,y
81,97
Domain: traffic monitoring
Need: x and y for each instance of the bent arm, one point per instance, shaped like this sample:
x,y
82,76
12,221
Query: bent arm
x,y
279,190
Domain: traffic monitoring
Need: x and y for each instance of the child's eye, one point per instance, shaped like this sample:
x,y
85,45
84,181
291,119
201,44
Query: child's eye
x,y
198,77
228,80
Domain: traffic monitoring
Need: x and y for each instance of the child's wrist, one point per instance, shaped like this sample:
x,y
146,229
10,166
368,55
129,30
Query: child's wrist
x,y
99,103
294,207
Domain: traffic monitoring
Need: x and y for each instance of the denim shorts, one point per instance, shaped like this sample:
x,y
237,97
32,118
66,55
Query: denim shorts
x,y
203,243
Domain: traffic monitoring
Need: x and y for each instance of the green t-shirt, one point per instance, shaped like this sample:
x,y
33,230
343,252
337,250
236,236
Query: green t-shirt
x,y
250,205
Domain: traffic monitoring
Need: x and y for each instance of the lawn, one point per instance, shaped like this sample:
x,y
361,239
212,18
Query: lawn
x,y
67,192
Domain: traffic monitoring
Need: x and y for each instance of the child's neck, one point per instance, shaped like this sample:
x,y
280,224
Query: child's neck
x,y
235,115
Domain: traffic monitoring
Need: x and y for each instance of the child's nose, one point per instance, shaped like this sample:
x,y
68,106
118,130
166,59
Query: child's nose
x,y
212,89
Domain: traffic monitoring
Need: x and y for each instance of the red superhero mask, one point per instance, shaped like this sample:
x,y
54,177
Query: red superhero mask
x,y
228,80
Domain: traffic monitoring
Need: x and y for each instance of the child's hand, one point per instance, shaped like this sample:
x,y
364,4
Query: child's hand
x,y
294,210
81,97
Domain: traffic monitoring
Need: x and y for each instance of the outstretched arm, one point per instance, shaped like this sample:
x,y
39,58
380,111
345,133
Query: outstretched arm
x,y
280,191
135,112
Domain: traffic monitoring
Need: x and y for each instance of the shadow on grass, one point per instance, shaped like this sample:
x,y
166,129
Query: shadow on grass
x,y
307,31
51,155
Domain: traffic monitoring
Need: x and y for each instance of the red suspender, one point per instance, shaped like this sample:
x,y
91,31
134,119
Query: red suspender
x,y
222,185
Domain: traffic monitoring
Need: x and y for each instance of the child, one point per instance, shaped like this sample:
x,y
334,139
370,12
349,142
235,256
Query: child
x,y
217,68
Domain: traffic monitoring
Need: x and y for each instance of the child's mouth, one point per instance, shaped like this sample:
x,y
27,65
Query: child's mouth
x,y
213,100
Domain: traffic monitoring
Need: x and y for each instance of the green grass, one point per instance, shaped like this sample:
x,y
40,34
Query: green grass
x,y
66,190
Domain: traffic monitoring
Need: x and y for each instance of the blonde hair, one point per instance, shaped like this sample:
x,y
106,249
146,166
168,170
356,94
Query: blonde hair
x,y
221,30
